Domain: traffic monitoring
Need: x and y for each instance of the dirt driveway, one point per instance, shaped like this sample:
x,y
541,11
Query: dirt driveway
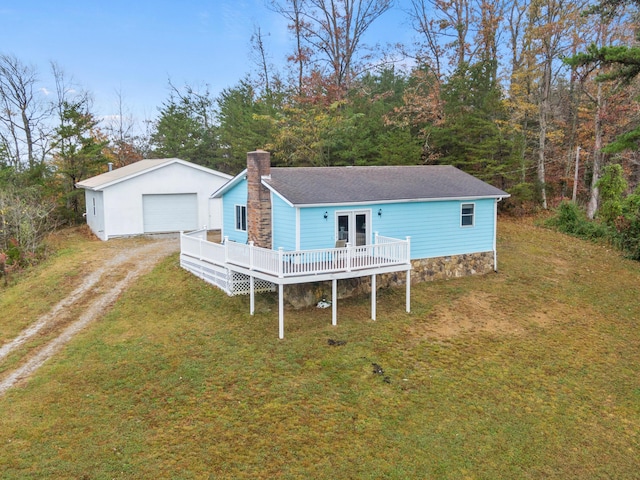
x,y
90,301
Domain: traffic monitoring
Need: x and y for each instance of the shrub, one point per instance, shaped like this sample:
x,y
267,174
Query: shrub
x,y
628,226
25,219
570,218
612,185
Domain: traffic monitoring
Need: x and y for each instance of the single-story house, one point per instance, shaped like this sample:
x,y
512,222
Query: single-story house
x,y
299,225
153,196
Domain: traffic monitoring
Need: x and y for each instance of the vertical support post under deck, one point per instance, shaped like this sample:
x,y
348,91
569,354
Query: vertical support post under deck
x,y
280,311
408,300
373,296
252,295
409,290
495,230
334,301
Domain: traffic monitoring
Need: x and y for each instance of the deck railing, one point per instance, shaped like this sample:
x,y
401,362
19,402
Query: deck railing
x,y
386,251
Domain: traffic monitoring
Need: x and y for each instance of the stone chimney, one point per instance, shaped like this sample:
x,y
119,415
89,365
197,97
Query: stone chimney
x,y
258,199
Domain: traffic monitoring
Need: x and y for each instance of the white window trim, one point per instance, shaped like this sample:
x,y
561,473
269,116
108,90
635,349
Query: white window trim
x,y
235,218
473,215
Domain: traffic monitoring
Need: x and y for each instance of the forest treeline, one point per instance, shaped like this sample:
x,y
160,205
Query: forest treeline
x,y
537,97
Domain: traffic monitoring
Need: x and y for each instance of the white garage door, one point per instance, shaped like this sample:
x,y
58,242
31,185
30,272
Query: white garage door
x,y
170,213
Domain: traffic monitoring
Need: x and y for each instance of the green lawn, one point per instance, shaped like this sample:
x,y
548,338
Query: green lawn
x,y
533,372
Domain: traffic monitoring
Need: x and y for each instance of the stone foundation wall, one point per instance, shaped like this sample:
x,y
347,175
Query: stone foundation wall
x,y
424,270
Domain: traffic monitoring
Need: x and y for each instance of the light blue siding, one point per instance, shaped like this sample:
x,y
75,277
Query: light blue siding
x,y
236,196
315,230
434,227
283,223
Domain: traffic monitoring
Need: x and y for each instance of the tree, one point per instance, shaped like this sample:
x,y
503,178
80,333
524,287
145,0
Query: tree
x,y
606,31
624,59
26,217
185,128
333,31
259,54
77,153
470,136
549,22
293,12
245,124
612,186
444,28
22,113
123,144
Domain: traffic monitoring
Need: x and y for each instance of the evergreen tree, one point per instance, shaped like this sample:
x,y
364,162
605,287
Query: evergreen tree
x,y
185,127
245,122
77,154
471,137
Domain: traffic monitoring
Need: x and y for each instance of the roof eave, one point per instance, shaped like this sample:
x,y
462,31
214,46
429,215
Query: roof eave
x,y
230,184
277,193
412,200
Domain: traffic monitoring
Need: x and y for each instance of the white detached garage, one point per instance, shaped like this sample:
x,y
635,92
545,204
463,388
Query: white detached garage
x,y
153,196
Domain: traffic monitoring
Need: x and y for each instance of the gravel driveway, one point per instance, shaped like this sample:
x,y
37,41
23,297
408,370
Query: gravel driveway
x,y
98,292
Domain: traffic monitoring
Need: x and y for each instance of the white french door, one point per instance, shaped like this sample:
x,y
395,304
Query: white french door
x,y
354,227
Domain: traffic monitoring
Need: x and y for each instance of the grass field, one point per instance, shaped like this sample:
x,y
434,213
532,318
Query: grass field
x,y
533,373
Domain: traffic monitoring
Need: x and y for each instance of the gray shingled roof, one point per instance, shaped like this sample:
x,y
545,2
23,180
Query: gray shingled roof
x,y
338,185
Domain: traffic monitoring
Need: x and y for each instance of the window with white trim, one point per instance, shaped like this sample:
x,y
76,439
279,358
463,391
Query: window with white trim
x,y
466,214
94,206
241,218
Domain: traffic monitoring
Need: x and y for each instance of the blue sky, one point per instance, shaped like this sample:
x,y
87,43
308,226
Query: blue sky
x,y
136,46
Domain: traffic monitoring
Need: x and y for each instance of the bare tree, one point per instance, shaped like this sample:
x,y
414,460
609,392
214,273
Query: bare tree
x,y
549,22
21,112
332,30
444,26
121,135
260,57
292,11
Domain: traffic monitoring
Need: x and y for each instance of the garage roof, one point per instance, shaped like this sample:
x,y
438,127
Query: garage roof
x,y
138,168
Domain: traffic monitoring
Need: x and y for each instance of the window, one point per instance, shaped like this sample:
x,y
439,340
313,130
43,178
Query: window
x,y
241,218
94,206
466,217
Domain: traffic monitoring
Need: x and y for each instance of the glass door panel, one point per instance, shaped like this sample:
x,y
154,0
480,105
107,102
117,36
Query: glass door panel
x,y
353,227
361,228
343,228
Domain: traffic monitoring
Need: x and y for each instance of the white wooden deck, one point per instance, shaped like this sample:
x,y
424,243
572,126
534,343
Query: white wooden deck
x,y
301,266
281,267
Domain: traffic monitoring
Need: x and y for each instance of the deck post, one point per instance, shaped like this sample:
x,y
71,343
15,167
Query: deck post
x,y
252,295
334,301
226,250
409,290
250,254
280,262
373,296
280,311
409,275
348,248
